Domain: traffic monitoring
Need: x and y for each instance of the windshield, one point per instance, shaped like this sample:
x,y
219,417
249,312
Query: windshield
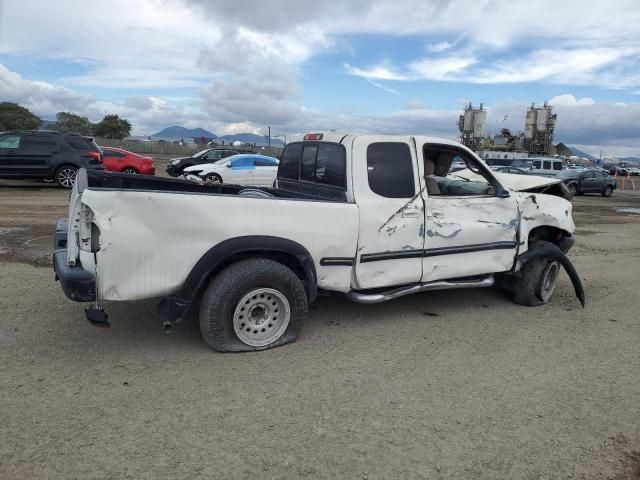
x,y
200,153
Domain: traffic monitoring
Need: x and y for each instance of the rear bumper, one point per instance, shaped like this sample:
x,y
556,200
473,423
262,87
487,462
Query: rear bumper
x,y
77,284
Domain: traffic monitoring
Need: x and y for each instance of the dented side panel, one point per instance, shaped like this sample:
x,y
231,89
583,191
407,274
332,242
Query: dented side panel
x,y
150,241
391,234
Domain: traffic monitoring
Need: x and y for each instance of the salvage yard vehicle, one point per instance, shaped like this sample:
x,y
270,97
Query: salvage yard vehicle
x,y
176,166
120,160
246,169
43,155
589,181
546,166
374,217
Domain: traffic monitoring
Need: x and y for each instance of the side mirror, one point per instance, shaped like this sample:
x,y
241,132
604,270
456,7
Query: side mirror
x,y
228,164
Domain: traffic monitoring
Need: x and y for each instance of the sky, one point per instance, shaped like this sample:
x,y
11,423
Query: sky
x,y
399,66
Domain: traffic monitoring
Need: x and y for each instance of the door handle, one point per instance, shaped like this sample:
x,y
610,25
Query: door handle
x,y
412,212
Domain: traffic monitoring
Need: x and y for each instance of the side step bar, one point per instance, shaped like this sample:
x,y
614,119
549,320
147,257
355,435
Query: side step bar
x,y
471,282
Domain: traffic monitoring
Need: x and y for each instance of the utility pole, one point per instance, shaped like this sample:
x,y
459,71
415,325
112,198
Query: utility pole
x,y
269,143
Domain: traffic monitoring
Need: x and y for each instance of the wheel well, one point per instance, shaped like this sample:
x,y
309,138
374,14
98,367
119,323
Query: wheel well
x,y
547,233
59,167
130,168
288,260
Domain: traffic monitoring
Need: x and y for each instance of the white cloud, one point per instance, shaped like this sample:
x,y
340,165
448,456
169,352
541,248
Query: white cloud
x,y
442,68
382,71
440,46
570,100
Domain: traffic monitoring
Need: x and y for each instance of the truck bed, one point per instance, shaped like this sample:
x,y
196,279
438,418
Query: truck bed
x,y
95,180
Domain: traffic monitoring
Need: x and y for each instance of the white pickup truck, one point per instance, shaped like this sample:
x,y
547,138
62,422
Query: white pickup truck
x,y
374,217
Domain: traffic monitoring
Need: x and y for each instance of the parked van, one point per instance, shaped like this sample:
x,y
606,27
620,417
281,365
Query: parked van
x,y
546,166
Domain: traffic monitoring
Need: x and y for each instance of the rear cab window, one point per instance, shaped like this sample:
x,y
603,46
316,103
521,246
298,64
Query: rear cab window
x,y
317,168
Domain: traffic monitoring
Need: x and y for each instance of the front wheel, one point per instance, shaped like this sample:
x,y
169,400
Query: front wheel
x,y
130,171
607,191
253,304
537,282
573,188
212,179
65,176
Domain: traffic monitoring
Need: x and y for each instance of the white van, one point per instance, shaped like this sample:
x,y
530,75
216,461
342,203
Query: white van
x,y
546,166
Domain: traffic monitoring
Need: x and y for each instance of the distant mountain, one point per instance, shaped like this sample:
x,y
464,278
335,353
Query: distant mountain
x,y
581,154
181,132
259,140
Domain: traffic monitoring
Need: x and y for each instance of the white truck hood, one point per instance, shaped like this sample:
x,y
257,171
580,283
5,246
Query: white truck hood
x,y
518,183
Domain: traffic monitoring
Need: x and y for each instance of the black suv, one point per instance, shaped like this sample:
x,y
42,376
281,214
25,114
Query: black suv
x,y
176,166
47,156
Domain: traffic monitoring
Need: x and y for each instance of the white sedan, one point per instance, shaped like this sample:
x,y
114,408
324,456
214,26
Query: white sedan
x,y
243,169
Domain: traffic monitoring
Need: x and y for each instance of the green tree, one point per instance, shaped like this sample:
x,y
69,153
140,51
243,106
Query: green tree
x,y
112,126
67,122
15,117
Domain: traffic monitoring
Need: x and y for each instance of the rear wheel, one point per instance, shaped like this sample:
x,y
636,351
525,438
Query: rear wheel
x,y
130,170
212,178
607,191
253,304
573,188
65,176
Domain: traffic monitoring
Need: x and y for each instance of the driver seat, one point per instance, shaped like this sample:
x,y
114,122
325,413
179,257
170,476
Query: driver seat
x,y
429,180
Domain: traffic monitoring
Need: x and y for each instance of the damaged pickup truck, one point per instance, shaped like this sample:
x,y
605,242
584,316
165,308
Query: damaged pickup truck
x,y
374,217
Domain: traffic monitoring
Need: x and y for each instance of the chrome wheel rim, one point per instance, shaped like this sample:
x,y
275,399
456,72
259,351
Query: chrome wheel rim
x,y
67,177
548,280
129,170
213,179
261,317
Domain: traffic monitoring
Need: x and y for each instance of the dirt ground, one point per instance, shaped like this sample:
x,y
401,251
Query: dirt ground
x,y
460,384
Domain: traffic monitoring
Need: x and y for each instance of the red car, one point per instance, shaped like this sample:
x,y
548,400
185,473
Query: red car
x,y
119,160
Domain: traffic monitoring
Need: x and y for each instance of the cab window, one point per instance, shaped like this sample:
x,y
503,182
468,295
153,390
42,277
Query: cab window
x,y
390,170
441,181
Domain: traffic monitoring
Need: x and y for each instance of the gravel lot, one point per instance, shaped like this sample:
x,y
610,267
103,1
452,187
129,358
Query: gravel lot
x,y
459,384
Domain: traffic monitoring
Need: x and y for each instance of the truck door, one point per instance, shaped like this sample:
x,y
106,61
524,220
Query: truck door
x,y
391,232
10,164
469,229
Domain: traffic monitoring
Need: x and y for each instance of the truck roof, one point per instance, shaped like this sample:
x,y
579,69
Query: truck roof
x,y
335,136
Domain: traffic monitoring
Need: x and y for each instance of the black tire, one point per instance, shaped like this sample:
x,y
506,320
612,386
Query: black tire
x,y
227,292
573,188
130,171
65,176
608,190
531,287
212,178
